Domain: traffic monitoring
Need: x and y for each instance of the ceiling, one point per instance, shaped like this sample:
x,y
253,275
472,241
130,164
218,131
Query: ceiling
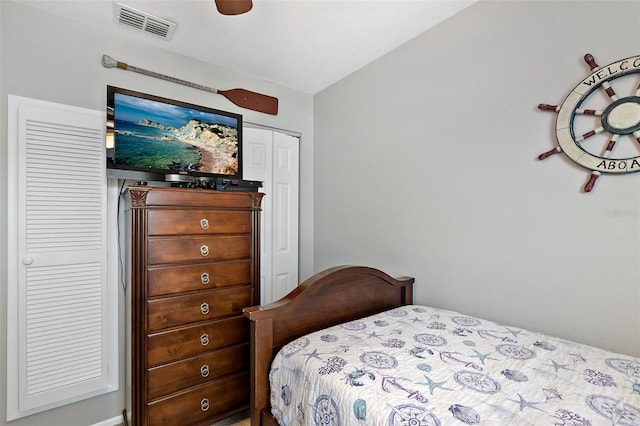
x,y
305,45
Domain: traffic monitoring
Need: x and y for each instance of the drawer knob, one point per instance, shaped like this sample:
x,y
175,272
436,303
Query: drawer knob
x,y
204,250
204,404
204,370
204,308
204,223
204,278
204,339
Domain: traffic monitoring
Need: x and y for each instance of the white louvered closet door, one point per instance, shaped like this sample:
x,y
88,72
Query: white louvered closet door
x,y
57,313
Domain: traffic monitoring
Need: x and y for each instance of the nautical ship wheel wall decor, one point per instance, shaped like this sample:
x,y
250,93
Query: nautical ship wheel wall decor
x,y
598,126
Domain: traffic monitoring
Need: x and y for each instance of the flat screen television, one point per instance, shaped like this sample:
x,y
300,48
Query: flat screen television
x,y
155,138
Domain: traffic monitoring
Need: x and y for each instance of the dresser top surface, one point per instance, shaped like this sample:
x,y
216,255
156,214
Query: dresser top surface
x,y
143,196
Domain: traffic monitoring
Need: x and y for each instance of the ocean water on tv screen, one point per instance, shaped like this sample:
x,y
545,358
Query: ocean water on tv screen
x,y
150,147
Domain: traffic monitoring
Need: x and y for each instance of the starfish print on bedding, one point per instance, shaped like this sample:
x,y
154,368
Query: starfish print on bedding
x,y
559,366
482,357
434,385
313,354
524,403
514,332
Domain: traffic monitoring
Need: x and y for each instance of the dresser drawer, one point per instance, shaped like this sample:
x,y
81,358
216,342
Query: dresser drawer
x,y
170,378
175,250
181,343
201,403
184,309
178,279
187,222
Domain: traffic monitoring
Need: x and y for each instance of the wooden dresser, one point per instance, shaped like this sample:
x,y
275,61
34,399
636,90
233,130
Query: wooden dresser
x,y
195,264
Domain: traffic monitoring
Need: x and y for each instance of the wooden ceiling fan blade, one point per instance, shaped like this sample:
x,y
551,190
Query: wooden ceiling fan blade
x,y
233,7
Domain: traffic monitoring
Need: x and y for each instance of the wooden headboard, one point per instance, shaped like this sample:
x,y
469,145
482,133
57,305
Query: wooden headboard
x,y
331,297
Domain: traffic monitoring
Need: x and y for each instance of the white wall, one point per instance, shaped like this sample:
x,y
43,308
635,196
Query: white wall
x,y
46,57
425,165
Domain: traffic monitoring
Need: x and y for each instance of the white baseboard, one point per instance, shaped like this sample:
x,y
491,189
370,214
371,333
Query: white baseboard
x,y
114,421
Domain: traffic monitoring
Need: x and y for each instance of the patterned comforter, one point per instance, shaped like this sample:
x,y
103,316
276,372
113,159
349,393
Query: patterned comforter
x,y
422,366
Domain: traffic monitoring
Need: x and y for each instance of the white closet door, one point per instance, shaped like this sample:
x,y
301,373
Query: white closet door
x,y
285,214
257,146
272,157
57,266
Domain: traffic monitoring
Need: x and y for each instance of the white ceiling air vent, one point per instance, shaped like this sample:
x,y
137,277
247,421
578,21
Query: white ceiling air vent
x,y
143,21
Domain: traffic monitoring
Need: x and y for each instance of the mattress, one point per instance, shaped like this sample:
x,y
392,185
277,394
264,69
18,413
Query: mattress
x,y
418,365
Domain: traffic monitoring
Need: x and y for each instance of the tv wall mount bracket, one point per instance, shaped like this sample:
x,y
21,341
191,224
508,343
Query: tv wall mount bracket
x,y
594,120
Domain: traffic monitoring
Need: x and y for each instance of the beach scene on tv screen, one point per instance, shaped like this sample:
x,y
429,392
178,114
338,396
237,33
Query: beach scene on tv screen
x,y
155,135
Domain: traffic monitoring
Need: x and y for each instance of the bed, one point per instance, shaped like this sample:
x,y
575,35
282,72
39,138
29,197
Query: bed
x,y
349,347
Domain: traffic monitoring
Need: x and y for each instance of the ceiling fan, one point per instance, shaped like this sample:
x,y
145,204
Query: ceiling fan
x,y
233,7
